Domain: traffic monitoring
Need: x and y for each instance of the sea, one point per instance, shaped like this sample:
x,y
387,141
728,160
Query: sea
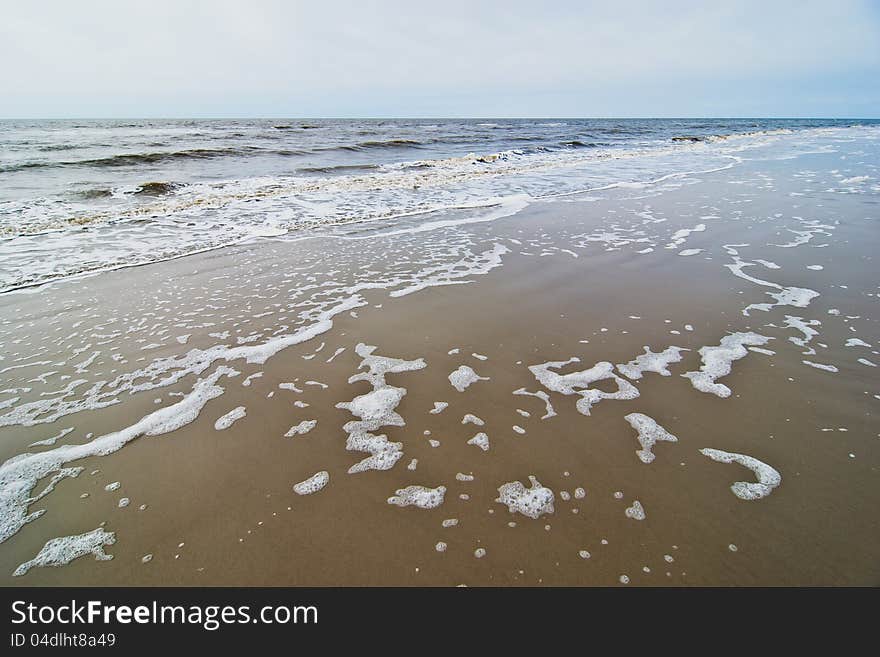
x,y
84,196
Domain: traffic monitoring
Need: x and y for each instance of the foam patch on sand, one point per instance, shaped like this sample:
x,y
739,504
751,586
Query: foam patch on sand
x,y
532,502
301,429
464,377
650,433
419,496
384,454
61,551
805,327
53,439
543,396
253,377
169,371
376,409
313,484
439,407
651,362
678,238
481,440
821,366
768,478
577,383
717,361
472,419
452,273
737,267
230,418
20,474
636,511
797,297
805,236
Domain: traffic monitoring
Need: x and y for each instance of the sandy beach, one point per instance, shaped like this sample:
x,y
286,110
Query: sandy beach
x,y
761,273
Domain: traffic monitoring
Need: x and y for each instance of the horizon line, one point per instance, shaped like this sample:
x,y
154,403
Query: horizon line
x,y
435,118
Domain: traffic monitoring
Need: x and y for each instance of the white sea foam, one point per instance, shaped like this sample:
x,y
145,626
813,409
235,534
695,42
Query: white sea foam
x,y
376,409
464,377
812,228
717,361
532,502
439,407
53,439
419,496
805,327
473,419
20,474
481,440
313,484
651,362
768,478
301,429
543,396
797,297
650,433
251,378
678,238
452,274
855,180
226,421
61,551
168,371
577,383
821,366
636,511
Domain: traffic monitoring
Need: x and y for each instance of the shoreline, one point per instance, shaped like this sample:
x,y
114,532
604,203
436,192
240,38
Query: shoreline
x,y
571,269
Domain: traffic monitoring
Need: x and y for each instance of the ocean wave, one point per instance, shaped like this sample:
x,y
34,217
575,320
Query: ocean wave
x,y
59,147
99,192
164,216
338,168
374,143
157,188
156,157
731,135
129,159
577,143
396,183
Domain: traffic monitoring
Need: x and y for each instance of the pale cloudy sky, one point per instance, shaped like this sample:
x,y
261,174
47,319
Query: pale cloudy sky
x,y
175,58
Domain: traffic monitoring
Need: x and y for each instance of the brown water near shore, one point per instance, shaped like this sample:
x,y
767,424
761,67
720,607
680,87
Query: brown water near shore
x,y
220,509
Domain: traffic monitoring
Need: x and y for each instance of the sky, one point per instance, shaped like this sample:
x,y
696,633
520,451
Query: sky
x,y
448,58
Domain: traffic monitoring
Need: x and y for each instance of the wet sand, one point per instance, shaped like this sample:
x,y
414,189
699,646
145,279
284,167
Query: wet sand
x,y
567,281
